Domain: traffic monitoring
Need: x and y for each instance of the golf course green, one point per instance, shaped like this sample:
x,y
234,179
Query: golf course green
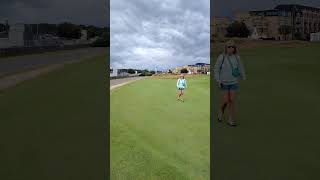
x,y
278,114
53,127
154,136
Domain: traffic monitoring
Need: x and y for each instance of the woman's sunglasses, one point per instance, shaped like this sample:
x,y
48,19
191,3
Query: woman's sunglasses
x,y
232,47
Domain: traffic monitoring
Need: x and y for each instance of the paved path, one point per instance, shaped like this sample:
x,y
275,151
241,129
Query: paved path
x,y
14,70
120,82
12,65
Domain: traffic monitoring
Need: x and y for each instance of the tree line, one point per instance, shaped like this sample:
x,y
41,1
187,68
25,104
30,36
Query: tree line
x,y
67,30
72,31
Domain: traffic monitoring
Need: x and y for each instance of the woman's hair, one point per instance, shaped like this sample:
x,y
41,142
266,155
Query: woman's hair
x,y
231,43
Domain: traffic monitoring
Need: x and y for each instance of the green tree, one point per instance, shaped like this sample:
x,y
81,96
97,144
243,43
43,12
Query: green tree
x,y
299,36
69,31
237,29
184,70
45,28
131,71
104,40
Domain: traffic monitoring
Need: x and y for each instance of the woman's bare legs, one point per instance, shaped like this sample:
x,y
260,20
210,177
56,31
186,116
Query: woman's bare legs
x,y
232,107
180,94
224,104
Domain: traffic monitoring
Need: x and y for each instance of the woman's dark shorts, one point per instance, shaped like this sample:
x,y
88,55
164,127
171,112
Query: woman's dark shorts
x,y
229,87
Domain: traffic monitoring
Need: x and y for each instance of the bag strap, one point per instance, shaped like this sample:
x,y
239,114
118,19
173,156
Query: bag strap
x,y
221,66
237,60
222,62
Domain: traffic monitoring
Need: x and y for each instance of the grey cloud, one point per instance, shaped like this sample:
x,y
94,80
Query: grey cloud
x,y
94,12
159,33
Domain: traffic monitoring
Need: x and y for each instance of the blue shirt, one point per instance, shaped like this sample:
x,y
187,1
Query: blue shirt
x,y
181,83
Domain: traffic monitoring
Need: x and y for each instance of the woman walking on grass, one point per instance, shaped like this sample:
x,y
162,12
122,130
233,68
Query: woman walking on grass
x,y
228,70
181,85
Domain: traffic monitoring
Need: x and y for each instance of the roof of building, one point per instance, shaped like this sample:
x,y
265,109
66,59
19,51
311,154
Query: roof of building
x,y
201,64
280,9
290,7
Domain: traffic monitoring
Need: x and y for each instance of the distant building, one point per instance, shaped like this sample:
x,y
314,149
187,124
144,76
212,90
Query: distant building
x,y
23,35
119,72
113,72
84,35
274,23
198,68
203,68
17,36
315,37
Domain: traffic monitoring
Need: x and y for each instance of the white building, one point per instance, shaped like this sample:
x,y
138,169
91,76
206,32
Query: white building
x,y
15,37
315,37
84,35
113,72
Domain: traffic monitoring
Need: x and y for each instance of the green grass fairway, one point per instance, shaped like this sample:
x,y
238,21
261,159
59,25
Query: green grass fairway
x,y
153,136
53,127
278,112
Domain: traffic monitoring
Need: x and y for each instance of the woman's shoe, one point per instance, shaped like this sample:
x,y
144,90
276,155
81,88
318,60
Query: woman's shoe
x,y
220,117
232,123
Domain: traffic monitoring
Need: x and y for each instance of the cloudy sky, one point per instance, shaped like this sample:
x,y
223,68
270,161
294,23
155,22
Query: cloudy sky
x,y
149,34
229,7
90,12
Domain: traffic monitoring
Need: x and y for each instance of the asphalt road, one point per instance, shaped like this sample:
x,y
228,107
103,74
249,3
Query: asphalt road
x,y
12,65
